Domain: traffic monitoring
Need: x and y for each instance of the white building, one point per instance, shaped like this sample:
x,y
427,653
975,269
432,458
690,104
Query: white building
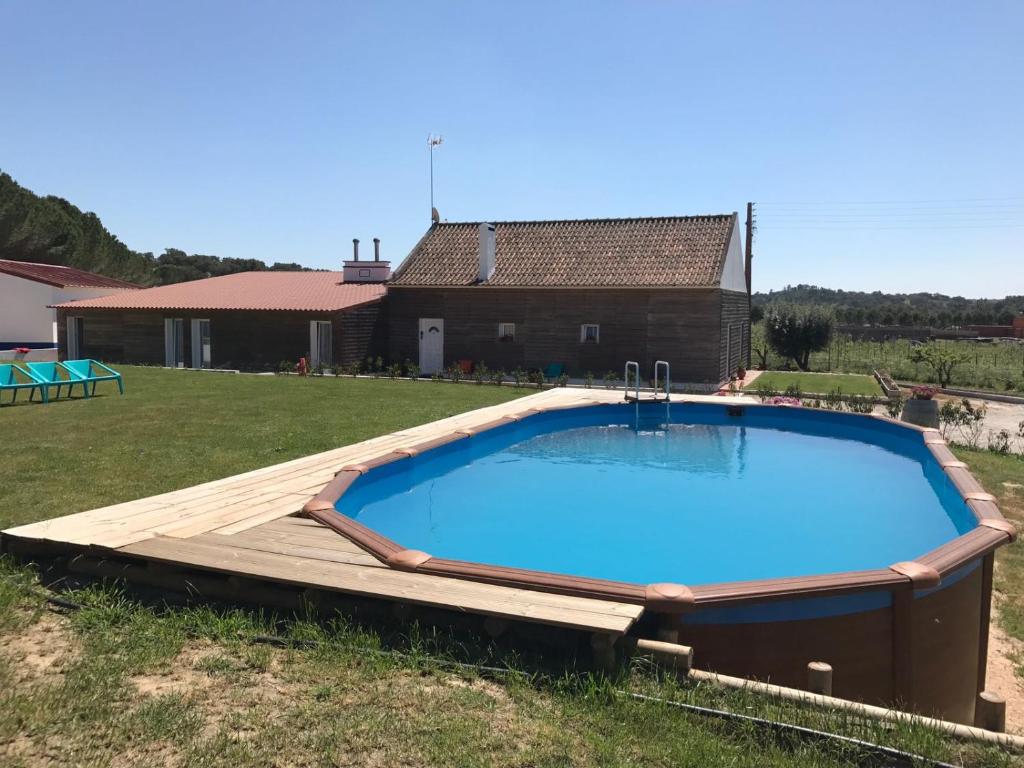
x,y
28,292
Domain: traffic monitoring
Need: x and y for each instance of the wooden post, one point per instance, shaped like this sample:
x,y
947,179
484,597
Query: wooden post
x,y
986,610
819,678
668,628
902,643
990,712
603,646
747,268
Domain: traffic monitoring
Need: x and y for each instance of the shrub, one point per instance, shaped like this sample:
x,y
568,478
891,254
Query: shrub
x,y
962,422
481,373
765,393
999,442
412,370
941,358
455,373
394,370
797,331
895,406
611,379
562,380
285,366
588,379
497,376
537,377
860,404
834,400
520,377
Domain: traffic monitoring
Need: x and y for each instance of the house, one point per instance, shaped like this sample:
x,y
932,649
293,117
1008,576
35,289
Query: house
x,y
248,320
28,292
587,294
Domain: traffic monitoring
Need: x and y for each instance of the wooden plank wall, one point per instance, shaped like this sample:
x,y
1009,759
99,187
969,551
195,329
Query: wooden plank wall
x,y
245,340
735,345
681,326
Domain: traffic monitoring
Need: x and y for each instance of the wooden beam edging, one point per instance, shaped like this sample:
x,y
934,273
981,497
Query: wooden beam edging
x,y
957,730
925,572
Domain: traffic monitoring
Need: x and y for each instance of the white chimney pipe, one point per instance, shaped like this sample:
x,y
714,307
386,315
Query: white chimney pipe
x,y
486,252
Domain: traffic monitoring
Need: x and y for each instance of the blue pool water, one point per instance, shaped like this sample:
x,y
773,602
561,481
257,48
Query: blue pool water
x,y
706,498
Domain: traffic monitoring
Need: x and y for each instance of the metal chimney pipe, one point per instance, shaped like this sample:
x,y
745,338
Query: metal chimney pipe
x,y
355,249
376,249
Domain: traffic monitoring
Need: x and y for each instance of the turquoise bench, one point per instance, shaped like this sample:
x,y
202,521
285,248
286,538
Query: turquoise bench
x,y
9,382
47,375
87,372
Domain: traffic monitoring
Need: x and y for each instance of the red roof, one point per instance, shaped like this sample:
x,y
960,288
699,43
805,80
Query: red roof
x,y
61,277
284,291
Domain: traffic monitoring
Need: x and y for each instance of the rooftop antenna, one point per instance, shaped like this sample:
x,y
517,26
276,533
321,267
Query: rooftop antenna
x,y
433,140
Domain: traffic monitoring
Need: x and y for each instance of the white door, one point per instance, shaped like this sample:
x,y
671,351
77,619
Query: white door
x,y
74,350
431,345
174,342
201,348
321,343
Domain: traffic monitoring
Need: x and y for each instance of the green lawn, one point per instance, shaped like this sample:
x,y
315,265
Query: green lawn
x,y
122,682
818,383
174,429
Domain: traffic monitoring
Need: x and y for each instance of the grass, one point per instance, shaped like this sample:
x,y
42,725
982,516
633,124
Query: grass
x,y
174,429
125,682
1004,476
818,383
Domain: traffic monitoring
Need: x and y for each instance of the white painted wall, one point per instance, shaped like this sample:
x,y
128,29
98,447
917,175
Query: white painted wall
x,y
25,315
734,276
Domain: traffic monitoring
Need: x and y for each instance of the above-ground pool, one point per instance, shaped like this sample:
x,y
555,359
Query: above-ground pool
x,y
765,536
704,498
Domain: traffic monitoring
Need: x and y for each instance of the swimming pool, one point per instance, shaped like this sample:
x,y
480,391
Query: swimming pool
x,y
580,493
764,536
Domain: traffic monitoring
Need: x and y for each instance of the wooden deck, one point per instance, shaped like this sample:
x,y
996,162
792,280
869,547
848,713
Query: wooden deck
x,y
243,526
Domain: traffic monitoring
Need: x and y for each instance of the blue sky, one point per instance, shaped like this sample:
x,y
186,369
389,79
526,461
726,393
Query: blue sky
x,y
881,140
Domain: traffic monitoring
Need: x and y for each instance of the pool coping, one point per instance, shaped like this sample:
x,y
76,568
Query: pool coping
x,y
922,573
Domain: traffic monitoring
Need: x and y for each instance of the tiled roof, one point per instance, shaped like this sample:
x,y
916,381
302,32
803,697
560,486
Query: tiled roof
x,y
61,277
685,251
296,291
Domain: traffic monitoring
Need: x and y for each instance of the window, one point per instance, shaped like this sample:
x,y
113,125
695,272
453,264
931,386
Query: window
x,y
590,333
506,331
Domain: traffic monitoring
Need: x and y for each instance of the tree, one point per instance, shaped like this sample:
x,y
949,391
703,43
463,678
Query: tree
x,y
797,331
759,346
941,358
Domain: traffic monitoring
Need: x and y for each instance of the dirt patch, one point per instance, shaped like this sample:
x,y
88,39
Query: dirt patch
x,y
1001,675
221,684
40,650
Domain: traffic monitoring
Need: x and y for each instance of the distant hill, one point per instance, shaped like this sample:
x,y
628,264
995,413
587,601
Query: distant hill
x,y
931,309
50,230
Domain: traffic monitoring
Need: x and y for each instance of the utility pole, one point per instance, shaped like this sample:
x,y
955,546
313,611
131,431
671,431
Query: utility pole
x,y
433,140
747,268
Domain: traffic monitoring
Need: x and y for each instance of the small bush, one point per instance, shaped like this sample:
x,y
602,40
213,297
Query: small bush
x,y
519,376
412,370
588,379
895,406
611,380
455,373
497,376
562,380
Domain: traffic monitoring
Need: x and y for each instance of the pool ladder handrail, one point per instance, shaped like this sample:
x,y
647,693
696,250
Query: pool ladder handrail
x,y
635,366
668,378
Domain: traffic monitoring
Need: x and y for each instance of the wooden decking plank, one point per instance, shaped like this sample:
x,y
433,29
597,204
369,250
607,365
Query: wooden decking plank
x,y
576,612
292,549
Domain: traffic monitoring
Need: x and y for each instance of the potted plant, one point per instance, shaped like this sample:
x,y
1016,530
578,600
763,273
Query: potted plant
x,y
922,408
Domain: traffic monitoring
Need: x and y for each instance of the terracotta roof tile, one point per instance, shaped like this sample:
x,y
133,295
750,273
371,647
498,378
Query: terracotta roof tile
x,y
687,251
295,291
61,277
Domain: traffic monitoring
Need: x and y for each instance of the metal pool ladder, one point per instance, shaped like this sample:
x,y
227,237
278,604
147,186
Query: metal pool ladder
x,y
634,366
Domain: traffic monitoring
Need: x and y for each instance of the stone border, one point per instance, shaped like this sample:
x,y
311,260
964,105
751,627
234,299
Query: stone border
x,y
925,572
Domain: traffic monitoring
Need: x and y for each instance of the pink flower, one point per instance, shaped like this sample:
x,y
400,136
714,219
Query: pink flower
x,y
784,400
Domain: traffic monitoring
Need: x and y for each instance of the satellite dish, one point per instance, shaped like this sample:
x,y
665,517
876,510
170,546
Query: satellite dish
x,y
435,216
